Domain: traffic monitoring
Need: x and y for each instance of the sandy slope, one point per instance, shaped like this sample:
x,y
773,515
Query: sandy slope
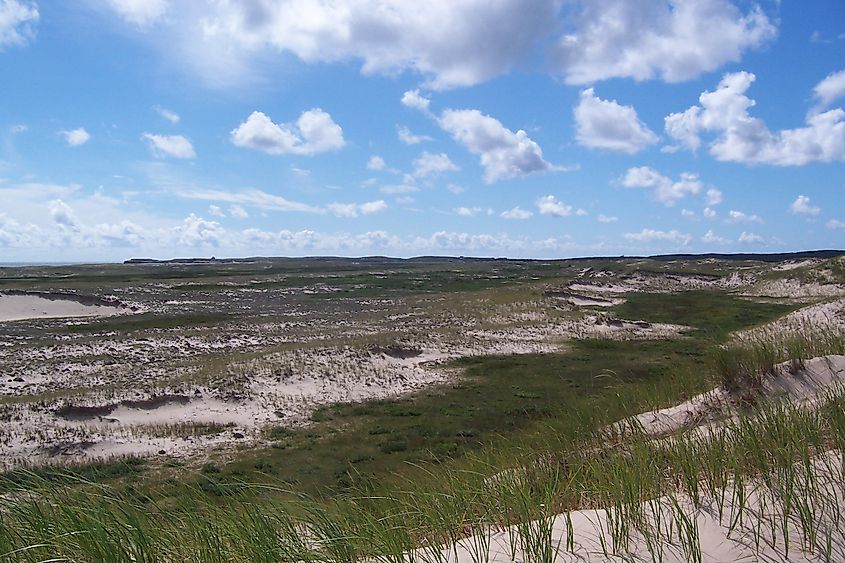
x,y
586,535
592,539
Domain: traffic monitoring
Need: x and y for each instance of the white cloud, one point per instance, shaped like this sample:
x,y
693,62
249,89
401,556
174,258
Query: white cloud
x,y
439,39
740,217
429,164
607,218
835,224
830,89
376,163
395,189
254,198
76,137
352,210
468,211
802,206
17,22
675,40
167,114
215,211
687,213
413,99
744,138
504,154
409,138
549,205
714,197
142,13
238,212
605,124
711,238
63,215
709,213
517,213
652,235
750,238
666,191
453,242
314,132
176,146
197,232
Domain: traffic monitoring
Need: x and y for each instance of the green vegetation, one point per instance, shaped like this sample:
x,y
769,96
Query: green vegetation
x,y
507,444
713,314
639,481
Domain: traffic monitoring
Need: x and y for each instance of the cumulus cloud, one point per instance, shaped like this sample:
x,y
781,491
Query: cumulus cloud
x,y
413,99
429,164
750,238
549,205
176,146
709,213
468,211
142,13
438,39
711,238
602,218
504,154
802,206
481,243
196,232
17,22
605,124
740,137
517,213
76,137
409,138
830,89
63,215
215,211
714,197
740,217
352,210
674,40
314,132
653,235
666,191
376,163
835,224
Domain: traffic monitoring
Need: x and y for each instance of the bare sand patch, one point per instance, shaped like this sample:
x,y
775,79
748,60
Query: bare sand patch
x,y
19,307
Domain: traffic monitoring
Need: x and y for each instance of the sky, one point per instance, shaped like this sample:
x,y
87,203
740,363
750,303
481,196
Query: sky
x,y
504,128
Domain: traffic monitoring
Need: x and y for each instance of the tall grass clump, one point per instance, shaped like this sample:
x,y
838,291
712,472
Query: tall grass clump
x,y
744,362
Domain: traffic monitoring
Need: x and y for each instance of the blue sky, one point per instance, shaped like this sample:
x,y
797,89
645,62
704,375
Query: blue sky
x,y
545,129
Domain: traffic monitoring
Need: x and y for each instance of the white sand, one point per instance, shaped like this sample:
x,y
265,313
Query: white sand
x,y
23,307
818,377
749,540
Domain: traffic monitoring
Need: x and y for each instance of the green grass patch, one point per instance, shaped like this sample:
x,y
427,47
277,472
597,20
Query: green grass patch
x,y
712,314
